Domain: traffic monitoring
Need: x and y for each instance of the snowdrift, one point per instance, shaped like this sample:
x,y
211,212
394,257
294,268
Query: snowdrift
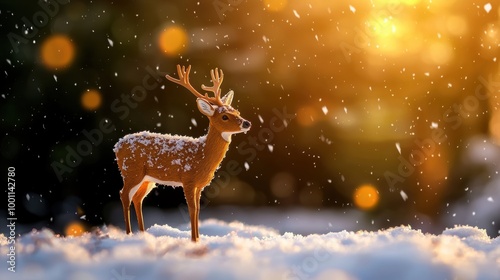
x,y
238,251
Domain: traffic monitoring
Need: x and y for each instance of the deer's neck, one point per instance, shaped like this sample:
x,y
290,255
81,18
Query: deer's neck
x,y
215,146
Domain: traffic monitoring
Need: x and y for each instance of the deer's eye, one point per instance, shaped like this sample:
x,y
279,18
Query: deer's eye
x,y
225,117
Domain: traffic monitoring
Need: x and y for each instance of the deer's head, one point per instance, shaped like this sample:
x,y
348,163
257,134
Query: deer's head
x,y
223,118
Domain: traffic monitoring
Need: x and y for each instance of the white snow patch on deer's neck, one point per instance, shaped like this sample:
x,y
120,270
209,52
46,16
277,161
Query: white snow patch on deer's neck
x,y
227,136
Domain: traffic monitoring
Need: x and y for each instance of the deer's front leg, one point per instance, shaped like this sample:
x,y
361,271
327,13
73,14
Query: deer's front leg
x,y
198,198
190,194
126,208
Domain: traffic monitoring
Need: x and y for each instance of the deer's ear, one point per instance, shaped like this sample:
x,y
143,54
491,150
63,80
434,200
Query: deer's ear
x,y
205,108
228,98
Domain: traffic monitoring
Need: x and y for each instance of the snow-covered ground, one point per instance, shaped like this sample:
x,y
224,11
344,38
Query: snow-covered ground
x,y
239,251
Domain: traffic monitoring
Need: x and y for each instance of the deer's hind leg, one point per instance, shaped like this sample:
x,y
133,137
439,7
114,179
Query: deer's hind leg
x,y
129,189
137,199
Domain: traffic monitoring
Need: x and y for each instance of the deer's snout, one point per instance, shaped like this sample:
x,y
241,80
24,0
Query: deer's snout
x,y
246,124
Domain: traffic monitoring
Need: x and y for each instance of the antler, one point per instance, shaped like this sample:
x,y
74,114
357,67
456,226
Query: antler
x,y
184,81
217,81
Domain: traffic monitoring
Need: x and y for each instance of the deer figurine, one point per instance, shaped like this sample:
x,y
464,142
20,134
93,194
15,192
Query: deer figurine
x,y
146,159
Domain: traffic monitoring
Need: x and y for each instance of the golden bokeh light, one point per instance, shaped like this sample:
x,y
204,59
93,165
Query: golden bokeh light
x,y
491,37
173,40
457,25
91,99
366,197
74,229
306,116
275,5
57,52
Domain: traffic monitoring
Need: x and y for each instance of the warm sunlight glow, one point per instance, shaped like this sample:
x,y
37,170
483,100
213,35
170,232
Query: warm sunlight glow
x,y
494,125
173,40
390,36
397,2
382,26
74,229
57,52
91,99
456,25
366,197
438,53
275,5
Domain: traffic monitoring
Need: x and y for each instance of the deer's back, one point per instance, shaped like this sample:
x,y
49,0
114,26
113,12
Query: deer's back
x,y
153,153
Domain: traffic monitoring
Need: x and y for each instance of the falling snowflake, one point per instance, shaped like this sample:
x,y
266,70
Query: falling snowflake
x,y
487,7
403,195
296,14
325,110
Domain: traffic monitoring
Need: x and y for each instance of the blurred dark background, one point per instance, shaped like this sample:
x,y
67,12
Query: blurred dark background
x,y
390,108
